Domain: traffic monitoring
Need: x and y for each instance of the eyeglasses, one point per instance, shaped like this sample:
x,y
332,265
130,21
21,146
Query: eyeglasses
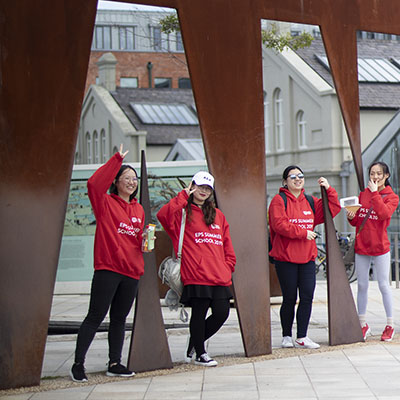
x,y
294,176
127,179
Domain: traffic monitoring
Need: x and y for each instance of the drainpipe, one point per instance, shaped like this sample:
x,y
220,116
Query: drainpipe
x,y
149,67
344,174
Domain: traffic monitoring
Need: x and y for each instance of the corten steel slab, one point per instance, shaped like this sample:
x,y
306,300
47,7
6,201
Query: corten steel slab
x,y
275,287
149,345
226,72
45,48
343,322
40,108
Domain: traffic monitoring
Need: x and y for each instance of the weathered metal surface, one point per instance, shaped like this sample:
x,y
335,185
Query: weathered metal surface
x,y
344,326
275,287
229,98
45,48
149,345
43,68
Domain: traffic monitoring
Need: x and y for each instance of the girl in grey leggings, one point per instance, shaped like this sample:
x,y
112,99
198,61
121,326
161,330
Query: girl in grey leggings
x,y
378,203
382,268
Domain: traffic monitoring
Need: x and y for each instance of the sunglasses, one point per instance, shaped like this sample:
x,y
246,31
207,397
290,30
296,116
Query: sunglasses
x,y
294,176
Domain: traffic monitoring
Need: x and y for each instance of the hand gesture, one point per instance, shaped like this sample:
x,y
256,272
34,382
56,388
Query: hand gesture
x,y
189,189
350,214
372,186
311,235
323,182
121,153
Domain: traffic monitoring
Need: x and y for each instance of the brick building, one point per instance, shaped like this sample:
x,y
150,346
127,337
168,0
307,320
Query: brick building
x,y
145,56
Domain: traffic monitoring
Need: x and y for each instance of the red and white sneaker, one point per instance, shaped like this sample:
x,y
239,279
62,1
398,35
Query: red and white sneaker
x,y
305,343
387,334
365,331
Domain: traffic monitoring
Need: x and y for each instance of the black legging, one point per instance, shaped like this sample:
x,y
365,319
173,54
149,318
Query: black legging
x,y
201,328
108,289
293,277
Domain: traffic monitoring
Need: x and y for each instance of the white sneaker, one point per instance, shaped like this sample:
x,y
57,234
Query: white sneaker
x,y
287,342
305,343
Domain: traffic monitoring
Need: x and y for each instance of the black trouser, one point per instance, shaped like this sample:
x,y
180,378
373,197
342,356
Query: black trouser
x,y
292,277
201,328
108,289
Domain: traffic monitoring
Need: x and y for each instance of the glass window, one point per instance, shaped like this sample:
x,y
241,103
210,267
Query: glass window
x,y
266,123
156,38
301,129
98,37
179,43
103,146
128,82
165,114
88,148
103,37
126,37
107,37
162,83
278,116
96,148
184,83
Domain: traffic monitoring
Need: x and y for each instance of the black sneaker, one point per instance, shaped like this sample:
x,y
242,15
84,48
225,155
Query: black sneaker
x,y
205,360
117,369
78,373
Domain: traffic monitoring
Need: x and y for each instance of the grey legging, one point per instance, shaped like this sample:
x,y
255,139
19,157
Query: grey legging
x,y
382,268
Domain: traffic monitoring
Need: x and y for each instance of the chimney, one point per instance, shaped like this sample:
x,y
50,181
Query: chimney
x,y
107,71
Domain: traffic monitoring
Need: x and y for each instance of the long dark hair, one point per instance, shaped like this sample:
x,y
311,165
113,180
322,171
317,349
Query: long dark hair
x,y
385,170
113,188
287,170
208,209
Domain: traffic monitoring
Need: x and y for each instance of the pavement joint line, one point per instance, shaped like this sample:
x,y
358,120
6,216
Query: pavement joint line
x,y
97,378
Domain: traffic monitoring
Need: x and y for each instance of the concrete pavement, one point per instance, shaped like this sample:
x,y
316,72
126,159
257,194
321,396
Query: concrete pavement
x,y
368,370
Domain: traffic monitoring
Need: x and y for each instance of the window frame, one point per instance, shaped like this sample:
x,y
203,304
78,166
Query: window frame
x,y
278,121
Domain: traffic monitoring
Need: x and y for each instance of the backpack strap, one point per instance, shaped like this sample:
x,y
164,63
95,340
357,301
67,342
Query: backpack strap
x,y
308,197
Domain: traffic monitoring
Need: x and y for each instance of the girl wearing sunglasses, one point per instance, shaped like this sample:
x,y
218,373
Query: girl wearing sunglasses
x,y
292,224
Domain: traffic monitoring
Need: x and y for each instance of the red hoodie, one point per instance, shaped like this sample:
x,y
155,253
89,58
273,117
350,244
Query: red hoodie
x,y
288,228
118,239
208,257
373,239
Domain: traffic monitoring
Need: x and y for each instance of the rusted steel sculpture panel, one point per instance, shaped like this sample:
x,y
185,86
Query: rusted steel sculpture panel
x,y
44,53
149,345
226,72
44,56
344,326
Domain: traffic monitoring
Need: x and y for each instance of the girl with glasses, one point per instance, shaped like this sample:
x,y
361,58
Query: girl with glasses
x,y
292,222
118,261
207,263
378,203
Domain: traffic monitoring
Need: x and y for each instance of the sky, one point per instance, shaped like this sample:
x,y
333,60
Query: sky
x,y
114,5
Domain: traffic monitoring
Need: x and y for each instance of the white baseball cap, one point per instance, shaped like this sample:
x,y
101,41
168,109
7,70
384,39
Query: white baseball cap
x,y
203,178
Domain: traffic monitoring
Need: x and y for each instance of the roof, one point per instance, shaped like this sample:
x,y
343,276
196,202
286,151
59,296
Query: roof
x,y
159,133
186,149
372,95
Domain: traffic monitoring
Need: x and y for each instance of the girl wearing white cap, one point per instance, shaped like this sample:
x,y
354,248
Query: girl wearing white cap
x,y
207,262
